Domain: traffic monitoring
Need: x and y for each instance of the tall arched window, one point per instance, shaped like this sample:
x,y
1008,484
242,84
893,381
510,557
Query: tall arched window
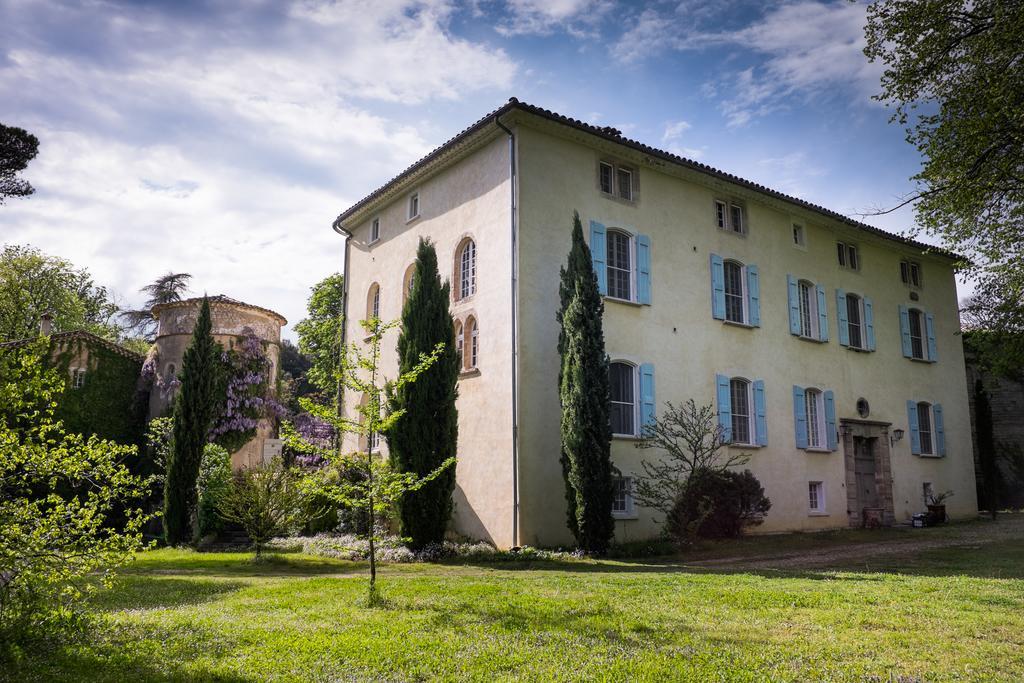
x,y
742,414
373,301
620,265
459,343
924,427
466,268
808,310
735,292
855,319
814,406
472,334
407,281
917,326
622,405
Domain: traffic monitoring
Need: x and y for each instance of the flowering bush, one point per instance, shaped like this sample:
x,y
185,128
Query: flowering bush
x,y
247,398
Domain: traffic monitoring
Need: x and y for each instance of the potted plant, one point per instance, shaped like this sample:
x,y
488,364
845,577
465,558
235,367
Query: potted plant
x,y
937,507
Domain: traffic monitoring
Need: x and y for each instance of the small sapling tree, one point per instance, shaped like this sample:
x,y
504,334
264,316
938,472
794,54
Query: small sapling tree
x,y
266,500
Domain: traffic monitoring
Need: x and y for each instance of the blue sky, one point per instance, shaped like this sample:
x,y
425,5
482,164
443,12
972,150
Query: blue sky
x,y
223,138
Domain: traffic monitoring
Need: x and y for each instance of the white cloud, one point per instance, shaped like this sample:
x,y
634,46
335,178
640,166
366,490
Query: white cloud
x,y
674,130
579,18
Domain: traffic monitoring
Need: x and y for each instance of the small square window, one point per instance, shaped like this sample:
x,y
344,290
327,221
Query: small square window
x,y
848,256
798,235
910,273
374,230
625,181
736,218
720,215
606,175
622,497
816,496
414,205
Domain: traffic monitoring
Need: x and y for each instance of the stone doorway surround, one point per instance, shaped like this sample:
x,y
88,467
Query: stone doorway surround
x,y
879,432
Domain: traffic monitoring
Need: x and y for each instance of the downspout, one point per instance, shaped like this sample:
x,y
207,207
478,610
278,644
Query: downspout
x,y
513,178
336,226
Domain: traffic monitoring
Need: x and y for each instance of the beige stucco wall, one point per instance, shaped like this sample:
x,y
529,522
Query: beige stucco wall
x,y
174,334
471,198
688,347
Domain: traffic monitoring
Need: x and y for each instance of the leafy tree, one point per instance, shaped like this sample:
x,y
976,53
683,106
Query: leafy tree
x,y
692,441
33,283
166,289
196,406
294,366
367,482
66,506
17,148
266,500
320,336
954,71
211,488
990,475
994,333
426,433
584,393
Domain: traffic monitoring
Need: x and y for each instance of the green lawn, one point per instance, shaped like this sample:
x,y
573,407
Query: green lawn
x,y
947,613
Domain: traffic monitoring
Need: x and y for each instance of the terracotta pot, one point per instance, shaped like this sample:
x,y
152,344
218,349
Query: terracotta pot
x,y
936,514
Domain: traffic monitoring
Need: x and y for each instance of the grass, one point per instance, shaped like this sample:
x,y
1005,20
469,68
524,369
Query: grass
x,y
948,613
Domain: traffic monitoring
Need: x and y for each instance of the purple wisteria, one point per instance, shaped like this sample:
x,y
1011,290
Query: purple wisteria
x,y
247,393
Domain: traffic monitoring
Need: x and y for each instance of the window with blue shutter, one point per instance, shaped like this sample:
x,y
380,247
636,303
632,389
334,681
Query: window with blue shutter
x,y
915,430
717,287
753,296
830,421
822,315
940,431
599,255
794,305
843,317
647,405
800,417
724,406
929,322
643,267
869,324
760,419
908,349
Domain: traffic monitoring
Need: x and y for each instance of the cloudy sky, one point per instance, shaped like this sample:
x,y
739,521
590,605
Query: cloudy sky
x,y
222,138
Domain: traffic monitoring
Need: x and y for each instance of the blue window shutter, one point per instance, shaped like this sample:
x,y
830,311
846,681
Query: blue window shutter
x,y
830,421
760,420
915,430
724,406
599,255
643,266
908,351
844,322
647,415
940,431
800,417
794,305
717,287
869,323
822,314
754,296
929,324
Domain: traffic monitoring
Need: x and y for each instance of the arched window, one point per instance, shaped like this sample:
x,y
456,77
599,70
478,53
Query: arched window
x,y
459,343
373,302
854,317
620,265
465,268
924,427
917,326
735,292
808,310
622,406
814,406
407,282
472,334
742,415
170,372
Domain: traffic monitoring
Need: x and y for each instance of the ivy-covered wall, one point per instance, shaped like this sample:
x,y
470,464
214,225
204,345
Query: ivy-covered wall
x,y
109,403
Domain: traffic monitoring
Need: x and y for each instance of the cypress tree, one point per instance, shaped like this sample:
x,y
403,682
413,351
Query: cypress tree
x,y
990,476
426,433
583,393
194,411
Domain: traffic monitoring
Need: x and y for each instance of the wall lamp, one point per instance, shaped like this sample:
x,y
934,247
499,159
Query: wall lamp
x,y
897,435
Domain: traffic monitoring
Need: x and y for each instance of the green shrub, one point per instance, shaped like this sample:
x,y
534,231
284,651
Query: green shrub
x,y
717,504
212,485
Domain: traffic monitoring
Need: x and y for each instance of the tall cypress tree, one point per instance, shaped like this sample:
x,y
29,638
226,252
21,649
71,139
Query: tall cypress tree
x,y
583,391
426,433
194,410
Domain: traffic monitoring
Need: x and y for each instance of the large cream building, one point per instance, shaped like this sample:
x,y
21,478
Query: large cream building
x,y
820,340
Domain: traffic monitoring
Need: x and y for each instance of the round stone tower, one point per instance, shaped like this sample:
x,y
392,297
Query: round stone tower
x,y
230,318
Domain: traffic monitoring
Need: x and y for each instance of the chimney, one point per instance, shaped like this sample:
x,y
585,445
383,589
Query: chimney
x,y
46,324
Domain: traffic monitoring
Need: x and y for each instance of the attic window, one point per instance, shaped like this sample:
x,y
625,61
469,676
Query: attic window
x,y
414,205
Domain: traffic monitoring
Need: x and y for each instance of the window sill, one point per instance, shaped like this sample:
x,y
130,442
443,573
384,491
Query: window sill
x,y
624,516
811,339
627,437
817,514
616,198
373,242
930,456
413,219
627,302
472,372
926,361
858,349
818,450
733,323
730,231
744,445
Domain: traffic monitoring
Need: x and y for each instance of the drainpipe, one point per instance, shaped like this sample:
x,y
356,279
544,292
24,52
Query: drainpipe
x,y
336,225
515,334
